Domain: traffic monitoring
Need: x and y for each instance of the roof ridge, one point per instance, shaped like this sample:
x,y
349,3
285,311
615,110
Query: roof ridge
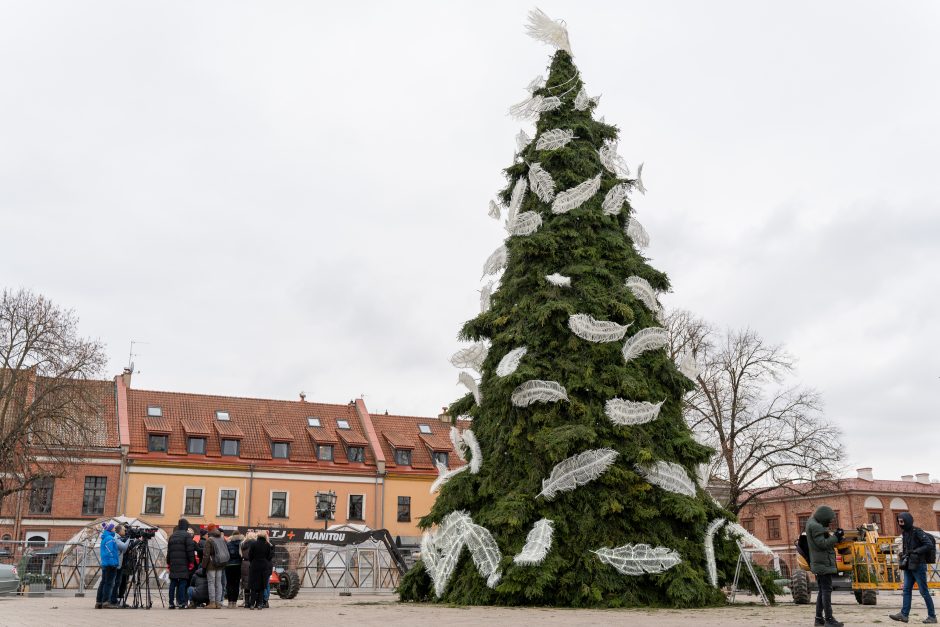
x,y
243,398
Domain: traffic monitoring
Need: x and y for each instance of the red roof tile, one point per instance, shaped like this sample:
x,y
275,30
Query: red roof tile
x,y
437,442
278,433
839,486
158,425
195,427
228,429
351,438
322,436
403,432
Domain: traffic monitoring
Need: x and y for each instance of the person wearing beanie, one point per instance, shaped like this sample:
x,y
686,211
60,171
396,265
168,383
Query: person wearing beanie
x,y
917,548
180,560
822,560
110,560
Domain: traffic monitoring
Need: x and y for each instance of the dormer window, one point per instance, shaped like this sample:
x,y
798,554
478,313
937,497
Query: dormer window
x,y
424,428
313,422
196,446
356,454
221,415
325,452
280,450
402,457
441,457
155,411
342,424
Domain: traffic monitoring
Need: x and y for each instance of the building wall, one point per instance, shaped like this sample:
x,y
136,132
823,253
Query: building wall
x,y
418,488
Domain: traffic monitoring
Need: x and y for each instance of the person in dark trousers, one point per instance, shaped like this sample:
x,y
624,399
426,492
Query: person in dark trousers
x,y
259,571
198,591
250,538
822,560
233,572
180,559
120,578
913,561
110,556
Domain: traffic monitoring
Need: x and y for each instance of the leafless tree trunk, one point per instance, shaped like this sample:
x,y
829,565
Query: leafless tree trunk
x,y
766,431
50,405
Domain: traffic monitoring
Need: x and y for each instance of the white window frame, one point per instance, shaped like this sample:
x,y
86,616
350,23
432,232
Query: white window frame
x,y
349,503
143,501
341,422
202,501
159,413
220,412
313,421
425,429
219,503
286,504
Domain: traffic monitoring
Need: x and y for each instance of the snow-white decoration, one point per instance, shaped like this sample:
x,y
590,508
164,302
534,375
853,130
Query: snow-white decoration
x,y
537,391
522,140
549,31
577,470
471,384
554,139
558,279
688,366
647,339
541,182
548,104
611,160
484,551
510,361
587,328
639,559
493,211
444,475
471,357
526,109
668,476
576,196
746,537
713,527
641,288
596,100
582,100
525,223
537,544
460,447
485,294
623,412
496,261
476,459
638,183
613,201
441,550
515,200
535,84
637,233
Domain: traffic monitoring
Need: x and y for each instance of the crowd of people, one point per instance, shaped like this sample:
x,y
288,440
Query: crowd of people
x,y
208,570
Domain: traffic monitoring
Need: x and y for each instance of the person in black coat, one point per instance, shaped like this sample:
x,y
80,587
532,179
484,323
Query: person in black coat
x,y
199,589
915,547
233,571
180,558
259,571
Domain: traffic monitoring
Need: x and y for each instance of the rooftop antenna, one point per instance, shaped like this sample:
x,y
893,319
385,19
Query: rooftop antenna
x,y
130,357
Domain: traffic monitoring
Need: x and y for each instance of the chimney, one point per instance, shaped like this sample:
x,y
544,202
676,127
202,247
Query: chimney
x,y
443,416
126,377
907,477
865,474
923,477
303,397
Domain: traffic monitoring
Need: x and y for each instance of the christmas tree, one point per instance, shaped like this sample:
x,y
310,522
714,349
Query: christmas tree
x,y
581,487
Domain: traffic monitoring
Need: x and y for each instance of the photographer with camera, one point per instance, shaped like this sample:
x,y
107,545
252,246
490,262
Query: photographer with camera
x,y
822,560
917,549
120,578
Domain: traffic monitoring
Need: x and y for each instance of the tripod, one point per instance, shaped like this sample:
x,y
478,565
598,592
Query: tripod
x,y
142,569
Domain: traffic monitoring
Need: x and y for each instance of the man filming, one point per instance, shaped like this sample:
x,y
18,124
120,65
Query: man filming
x,y
822,560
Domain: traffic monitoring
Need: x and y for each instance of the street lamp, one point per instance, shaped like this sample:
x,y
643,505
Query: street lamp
x,y
326,506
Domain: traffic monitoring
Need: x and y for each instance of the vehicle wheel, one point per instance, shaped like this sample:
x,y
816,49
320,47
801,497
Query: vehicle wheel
x,y
799,586
289,585
858,596
869,597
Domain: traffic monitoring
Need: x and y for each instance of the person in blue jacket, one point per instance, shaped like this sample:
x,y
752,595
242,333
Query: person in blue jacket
x,y
110,561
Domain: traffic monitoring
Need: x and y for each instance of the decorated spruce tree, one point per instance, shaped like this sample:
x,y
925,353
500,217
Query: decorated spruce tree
x,y
581,486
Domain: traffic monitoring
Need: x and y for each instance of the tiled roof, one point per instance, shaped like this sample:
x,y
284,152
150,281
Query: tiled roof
x,y
158,425
351,438
437,441
228,429
195,427
399,440
278,433
402,432
102,427
839,486
322,436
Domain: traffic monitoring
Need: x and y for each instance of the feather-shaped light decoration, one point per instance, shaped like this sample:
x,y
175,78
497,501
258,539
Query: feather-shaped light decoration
x,y
525,223
522,140
441,550
668,476
445,475
582,101
460,447
485,294
541,182
587,328
638,183
596,99
558,279
554,139
471,384
471,357
537,544
429,555
713,527
526,109
576,196
510,361
688,366
641,288
484,551
493,211
476,459
577,470
535,84
537,391
747,538
611,160
613,201
548,104
515,199
636,232
639,559
496,261
623,412
647,339
549,31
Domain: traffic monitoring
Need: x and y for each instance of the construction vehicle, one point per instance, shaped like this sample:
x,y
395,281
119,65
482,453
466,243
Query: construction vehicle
x,y
866,562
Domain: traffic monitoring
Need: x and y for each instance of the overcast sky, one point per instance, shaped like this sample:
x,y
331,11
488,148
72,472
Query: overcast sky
x,y
287,196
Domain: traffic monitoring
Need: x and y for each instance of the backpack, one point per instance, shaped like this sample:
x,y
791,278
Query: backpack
x,y
931,555
219,551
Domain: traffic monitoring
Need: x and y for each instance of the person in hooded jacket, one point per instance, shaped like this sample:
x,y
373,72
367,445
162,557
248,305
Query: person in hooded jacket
x,y
259,571
822,560
913,561
180,559
233,571
110,555
198,591
250,538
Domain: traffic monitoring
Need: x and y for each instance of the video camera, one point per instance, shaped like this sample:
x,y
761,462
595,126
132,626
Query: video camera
x,y
141,533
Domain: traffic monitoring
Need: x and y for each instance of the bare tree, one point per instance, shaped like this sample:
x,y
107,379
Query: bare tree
x,y
767,431
51,409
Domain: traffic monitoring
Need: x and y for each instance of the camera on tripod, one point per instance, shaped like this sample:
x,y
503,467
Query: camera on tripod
x,y
140,533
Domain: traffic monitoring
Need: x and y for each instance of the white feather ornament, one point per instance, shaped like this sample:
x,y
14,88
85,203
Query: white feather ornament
x,y
510,361
485,294
545,29
476,459
515,199
536,391
576,196
558,279
636,232
526,109
493,210
496,261
471,384
541,182
522,140
582,100
548,104
713,527
537,544
613,161
639,559
638,183
668,476
536,83
460,447
484,551
428,555
647,339
623,412
587,328
613,201
641,288
688,366
747,538
471,357
577,470
441,550
554,139
525,223
444,475
596,100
